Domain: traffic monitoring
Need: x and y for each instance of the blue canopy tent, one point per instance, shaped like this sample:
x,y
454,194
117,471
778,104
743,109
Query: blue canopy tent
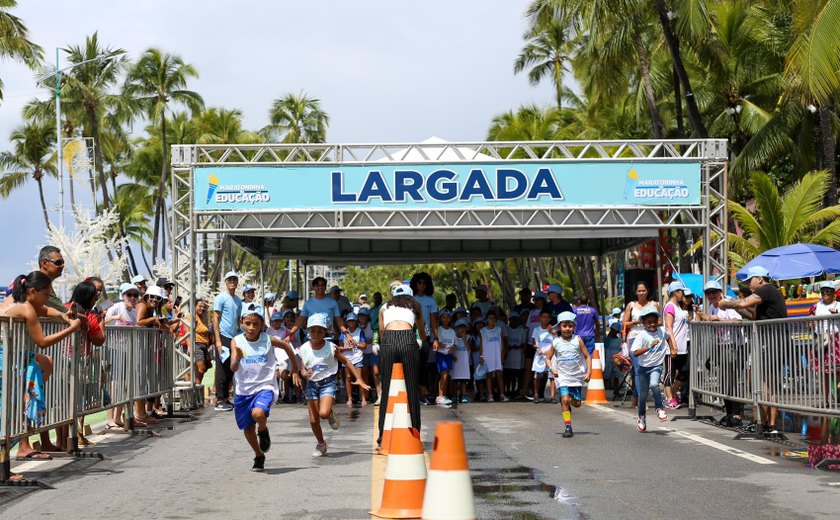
x,y
795,261
695,283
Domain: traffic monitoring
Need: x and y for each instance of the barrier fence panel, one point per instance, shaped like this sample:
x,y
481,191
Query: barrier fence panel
x,y
791,364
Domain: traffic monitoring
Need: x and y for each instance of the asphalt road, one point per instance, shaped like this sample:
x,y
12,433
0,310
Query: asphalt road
x,y
521,469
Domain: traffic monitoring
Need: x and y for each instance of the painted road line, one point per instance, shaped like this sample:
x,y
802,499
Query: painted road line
x,y
30,466
602,408
719,446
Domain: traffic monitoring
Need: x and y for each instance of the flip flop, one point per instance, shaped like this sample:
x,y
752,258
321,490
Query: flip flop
x,y
33,455
115,426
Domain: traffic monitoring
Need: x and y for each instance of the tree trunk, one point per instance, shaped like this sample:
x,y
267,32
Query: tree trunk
x,y
829,154
43,201
674,47
145,261
97,156
558,83
678,109
647,86
159,205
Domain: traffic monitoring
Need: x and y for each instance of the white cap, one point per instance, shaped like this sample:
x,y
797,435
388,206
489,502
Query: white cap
x,y
317,320
712,285
231,274
251,308
827,285
402,290
139,278
156,291
125,287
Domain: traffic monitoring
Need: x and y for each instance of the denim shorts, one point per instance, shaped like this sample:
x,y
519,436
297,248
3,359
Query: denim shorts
x,y
370,360
318,389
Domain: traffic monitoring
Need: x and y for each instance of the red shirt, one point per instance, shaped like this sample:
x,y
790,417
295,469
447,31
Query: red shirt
x,y
94,327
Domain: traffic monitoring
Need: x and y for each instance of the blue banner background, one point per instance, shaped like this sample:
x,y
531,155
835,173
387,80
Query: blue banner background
x,y
315,186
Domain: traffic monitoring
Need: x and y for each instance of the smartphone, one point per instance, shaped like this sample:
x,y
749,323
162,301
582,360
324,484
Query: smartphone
x,y
177,302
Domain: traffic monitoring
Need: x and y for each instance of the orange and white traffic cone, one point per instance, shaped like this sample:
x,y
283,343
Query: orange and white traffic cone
x,y
595,392
449,493
397,386
405,469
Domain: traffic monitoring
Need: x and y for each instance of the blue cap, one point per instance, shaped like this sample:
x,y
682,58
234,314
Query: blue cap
x,y
270,297
292,295
247,288
675,286
125,287
712,285
351,316
566,316
287,312
463,322
540,294
757,270
479,320
317,320
276,316
402,290
364,311
615,311
444,311
616,326
555,288
251,308
459,309
650,310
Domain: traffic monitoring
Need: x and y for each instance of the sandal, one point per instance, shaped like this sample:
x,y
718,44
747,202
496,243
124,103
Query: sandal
x,y
33,455
115,426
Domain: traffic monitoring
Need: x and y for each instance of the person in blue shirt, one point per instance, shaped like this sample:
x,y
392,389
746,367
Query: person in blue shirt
x,y
320,303
588,323
556,304
226,310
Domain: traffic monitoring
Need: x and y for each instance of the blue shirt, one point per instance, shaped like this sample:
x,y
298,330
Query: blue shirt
x,y
229,308
556,308
325,305
586,318
429,306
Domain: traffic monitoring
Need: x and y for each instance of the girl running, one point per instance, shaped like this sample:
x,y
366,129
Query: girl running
x,y
354,353
571,365
650,350
632,322
320,365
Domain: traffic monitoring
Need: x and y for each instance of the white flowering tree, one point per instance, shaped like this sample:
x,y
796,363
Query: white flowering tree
x,y
163,269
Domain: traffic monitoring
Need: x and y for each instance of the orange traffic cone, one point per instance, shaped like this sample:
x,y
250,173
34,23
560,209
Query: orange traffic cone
x,y
595,392
405,469
449,493
397,386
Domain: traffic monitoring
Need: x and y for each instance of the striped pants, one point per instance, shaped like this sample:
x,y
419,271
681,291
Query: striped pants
x,y
400,346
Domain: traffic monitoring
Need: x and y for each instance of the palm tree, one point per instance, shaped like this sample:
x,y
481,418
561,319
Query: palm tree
x,y
14,40
153,83
223,125
33,156
546,52
778,220
296,119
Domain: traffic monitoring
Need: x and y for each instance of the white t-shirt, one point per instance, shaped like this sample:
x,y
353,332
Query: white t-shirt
x,y
680,326
461,363
656,355
446,340
516,356
369,339
256,368
821,309
568,361
533,321
127,317
354,355
541,339
279,353
727,335
322,361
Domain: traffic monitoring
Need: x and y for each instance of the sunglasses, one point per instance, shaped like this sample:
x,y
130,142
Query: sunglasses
x,y
132,295
59,262
154,298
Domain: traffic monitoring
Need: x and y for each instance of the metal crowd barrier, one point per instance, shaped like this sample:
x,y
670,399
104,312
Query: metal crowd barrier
x,y
134,363
791,364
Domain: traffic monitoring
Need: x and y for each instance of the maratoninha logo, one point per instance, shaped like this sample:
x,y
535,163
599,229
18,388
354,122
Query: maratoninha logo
x,y
636,188
235,193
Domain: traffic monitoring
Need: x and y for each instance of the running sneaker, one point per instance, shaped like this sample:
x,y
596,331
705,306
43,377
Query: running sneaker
x,y
259,463
378,400
538,400
642,424
335,422
505,398
555,400
465,400
661,414
265,440
568,433
441,401
491,400
223,406
446,400
425,401
529,397
320,450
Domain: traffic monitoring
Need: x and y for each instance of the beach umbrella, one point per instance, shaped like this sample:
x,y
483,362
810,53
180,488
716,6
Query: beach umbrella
x,y
795,261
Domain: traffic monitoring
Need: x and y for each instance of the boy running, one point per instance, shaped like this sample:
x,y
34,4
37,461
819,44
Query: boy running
x,y
571,365
649,347
253,362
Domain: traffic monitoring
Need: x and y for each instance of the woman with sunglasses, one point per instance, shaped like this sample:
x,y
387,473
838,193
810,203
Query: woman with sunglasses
x,y
122,313
151,313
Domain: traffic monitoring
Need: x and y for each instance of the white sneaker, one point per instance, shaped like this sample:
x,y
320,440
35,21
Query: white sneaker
x,y
505,398
491,400
661,414
320,450
447,400
642,424
335,423
378,400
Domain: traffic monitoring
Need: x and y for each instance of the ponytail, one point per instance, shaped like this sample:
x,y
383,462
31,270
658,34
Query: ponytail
x,y
34,280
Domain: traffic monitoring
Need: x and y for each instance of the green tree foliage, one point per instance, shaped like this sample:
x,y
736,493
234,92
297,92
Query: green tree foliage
x,y
33,156
14,40
296,118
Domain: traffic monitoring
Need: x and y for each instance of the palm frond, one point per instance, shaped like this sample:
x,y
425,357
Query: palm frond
x,y
802,199
771,212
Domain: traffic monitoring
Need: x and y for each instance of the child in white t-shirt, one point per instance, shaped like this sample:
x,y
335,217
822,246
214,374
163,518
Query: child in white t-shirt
x,y
253,363
461,360
571,365
277,330
320,366
541,339
493,345
515,359
370,354
354,351
443,356
650,347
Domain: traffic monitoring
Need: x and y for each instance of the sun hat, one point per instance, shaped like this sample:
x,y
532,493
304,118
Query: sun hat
x,y
757,270
616,325
675,286
712,285
155,291
334,289
163,282
317,320
270,297
650,310
555,288
125,287
444,311
231,274
251,308
363,296
566,316
402,290
139,279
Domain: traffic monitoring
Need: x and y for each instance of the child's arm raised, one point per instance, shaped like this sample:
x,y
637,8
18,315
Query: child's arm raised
x,y
235,356
33,327
277,342
357,380
585,352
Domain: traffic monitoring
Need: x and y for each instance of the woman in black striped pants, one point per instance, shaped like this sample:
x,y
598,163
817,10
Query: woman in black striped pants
x,y
398,344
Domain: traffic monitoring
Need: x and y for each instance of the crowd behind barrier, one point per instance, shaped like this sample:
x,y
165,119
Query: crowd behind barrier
x,y
134,363
791,364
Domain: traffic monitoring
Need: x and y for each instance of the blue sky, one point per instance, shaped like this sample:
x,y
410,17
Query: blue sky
x,y
385,71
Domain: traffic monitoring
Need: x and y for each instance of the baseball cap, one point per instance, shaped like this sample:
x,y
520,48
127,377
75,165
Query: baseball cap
x,y
555,288
334,289
287,312
231,274
616,325
566,316
712,285
675,286
364,311
827,285
459,309
247,288
616,310
317,320
163,282
251,308
125,287
292,295
481,287
757,270
463,322
479,320
139,278
351,316
276,316
402,290
270,297
540,294
444,311
688,292
363,296
650,310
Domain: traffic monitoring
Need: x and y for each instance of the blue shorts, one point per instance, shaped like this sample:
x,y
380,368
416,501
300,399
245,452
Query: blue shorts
x,y
244,404
571,391
444,362
370,360
589,341
318,389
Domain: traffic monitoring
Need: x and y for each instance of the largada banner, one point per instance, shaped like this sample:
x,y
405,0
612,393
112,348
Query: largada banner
x,y
449,186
